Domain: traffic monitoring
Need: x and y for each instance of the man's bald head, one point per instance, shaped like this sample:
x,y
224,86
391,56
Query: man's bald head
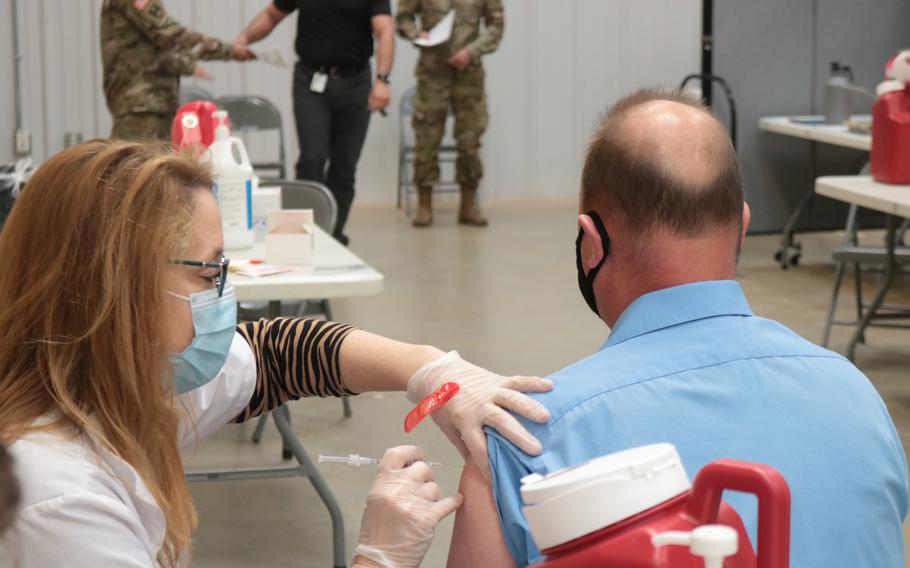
x,y
659,159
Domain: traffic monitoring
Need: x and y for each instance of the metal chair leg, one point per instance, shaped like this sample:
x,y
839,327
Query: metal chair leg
x,y
858,295
319,484
849,238
284,413
327,309
260,427
832,308
884,285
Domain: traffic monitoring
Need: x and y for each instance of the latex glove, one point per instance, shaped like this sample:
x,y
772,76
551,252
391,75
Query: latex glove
x,y
480,402
402,511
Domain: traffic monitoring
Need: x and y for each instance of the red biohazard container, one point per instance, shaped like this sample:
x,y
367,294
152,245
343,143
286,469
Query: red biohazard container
x,y
890,162
193,125
632,509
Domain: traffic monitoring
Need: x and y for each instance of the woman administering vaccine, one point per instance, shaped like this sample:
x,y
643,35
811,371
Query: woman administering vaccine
x,y
119,347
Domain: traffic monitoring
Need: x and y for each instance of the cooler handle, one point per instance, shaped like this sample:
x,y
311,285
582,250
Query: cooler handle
x,y
761,480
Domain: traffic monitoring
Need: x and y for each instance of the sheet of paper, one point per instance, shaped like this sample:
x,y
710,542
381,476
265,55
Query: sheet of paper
x,y
273,56
440,33
257,269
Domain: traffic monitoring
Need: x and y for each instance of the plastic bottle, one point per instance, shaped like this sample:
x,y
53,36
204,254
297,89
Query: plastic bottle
x,y
837,95
233,185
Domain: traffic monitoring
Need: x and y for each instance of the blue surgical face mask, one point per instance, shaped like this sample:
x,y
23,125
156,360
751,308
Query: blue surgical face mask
x,y
214,321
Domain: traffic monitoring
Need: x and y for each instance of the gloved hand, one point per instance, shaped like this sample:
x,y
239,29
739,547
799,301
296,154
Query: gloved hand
x,y
402,511
480,402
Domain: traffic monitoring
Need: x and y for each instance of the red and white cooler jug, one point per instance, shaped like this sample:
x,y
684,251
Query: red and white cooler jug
x,y
890,160
636,509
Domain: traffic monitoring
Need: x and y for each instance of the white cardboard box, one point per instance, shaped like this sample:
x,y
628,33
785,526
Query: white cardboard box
x,y
290,237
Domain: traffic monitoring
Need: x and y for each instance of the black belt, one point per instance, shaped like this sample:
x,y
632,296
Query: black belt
x,y
336,71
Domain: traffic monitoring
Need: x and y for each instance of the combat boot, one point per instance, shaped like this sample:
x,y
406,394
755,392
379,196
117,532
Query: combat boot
x,y
424,215
469,213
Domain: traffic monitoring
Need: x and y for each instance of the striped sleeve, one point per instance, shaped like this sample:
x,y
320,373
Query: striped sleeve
x,y
295,358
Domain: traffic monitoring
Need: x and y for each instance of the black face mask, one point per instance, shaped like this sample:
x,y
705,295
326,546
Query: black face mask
x,y
586,281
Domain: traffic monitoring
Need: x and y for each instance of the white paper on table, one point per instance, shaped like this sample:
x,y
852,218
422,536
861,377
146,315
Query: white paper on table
x,y
247,268
273,56
440,33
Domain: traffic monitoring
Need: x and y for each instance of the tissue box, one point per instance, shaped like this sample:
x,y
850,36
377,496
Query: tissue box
x,y
290,237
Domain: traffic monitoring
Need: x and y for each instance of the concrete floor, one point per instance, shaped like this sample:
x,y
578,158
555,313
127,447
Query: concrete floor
x,y
506,297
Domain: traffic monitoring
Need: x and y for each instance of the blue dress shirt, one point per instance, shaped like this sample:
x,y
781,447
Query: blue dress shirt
x,y
691,365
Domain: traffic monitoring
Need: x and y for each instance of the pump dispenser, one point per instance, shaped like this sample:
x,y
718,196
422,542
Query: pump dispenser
x,y
233,184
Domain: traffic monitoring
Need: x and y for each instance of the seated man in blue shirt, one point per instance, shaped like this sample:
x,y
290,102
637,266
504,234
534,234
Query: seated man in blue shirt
x,y
662,220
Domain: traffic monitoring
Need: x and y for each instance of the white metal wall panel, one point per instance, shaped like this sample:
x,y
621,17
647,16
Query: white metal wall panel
x,y
561,63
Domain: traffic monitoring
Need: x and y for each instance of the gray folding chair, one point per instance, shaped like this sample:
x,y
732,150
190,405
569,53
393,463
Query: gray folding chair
x,y
865,259
189,94
256,114
448,153
302,194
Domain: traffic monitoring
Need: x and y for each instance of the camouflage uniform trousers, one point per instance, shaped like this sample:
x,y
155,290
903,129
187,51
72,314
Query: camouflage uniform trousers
x,y
439,85
142,126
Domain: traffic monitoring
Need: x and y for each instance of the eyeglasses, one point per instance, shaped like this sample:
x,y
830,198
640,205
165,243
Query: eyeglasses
x,y
222,266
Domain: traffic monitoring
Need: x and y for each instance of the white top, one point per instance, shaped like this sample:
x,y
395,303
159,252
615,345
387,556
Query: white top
x,y
866,192
836,134
336,273
82,506
572,502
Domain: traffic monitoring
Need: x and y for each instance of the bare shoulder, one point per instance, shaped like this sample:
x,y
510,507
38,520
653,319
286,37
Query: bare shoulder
x,y
477,539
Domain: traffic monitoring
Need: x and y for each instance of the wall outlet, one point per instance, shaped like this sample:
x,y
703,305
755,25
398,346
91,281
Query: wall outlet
x,y
71,139
23,142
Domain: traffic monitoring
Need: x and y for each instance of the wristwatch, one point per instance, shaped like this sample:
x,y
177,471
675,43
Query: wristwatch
x,y
384,77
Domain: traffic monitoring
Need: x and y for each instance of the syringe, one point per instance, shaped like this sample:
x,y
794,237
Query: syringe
x,y
356,460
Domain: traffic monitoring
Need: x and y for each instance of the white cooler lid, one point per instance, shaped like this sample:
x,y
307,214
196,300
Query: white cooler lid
x,y
572,502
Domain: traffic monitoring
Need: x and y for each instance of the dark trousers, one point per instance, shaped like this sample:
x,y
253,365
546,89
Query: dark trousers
x,y
331,129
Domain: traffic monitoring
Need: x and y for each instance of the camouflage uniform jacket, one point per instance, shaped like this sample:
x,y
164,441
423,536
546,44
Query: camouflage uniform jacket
x,y
144,51
466,31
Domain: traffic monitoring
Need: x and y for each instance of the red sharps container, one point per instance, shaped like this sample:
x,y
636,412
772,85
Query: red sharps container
x,y
890,160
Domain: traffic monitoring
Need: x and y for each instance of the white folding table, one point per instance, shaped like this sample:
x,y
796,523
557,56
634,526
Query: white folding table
x,y
335,273
893,201
813,129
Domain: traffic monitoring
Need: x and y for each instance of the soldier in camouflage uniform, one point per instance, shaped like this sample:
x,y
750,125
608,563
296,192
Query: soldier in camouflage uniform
x,y
144,51
451,73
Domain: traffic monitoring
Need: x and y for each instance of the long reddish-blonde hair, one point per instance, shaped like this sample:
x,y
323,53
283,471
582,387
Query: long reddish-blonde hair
x,y
84,250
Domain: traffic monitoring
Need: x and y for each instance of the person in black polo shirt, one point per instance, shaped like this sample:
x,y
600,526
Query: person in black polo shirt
x,y
333,88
